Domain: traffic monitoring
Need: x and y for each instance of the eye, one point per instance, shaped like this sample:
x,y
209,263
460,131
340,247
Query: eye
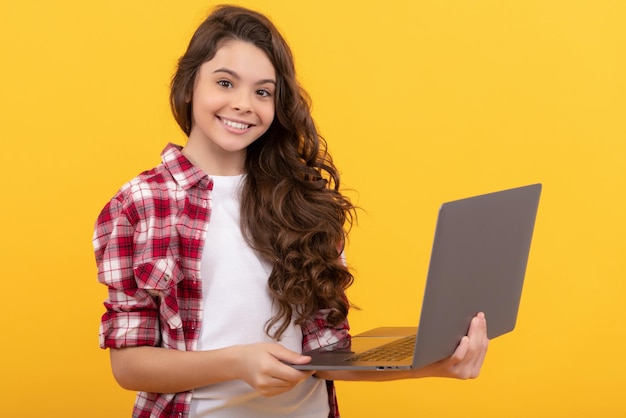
x,y
264,93
225,83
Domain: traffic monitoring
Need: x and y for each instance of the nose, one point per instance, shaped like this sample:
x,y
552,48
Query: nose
x,y
242,102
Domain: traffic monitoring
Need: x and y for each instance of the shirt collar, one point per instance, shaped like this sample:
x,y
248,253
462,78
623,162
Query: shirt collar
x,y
182,170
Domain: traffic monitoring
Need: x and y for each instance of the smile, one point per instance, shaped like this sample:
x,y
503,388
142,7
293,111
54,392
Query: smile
x,y
233,124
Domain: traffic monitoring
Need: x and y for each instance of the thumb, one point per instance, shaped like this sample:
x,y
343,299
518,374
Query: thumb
x,y
288,356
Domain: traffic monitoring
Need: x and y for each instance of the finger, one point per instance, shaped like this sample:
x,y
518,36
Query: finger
x,y
482,344
477,335
284,372
279,378
477,325
461,351
465,353
289,375
288,356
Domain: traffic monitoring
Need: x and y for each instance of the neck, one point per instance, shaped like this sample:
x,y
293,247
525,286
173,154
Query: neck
x,y
214,162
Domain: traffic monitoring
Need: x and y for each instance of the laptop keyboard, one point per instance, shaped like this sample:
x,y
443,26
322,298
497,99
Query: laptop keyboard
x,y
394,351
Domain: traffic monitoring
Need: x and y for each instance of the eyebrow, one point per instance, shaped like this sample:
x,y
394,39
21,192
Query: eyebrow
x,y
235,75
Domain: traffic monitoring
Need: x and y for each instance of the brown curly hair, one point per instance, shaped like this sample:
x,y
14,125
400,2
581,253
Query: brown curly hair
x,y
292,210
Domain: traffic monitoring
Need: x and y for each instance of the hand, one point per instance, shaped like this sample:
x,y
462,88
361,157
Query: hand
x,y
467,359
262,367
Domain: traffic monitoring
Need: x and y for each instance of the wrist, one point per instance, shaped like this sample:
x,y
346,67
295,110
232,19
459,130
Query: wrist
x,y
231,359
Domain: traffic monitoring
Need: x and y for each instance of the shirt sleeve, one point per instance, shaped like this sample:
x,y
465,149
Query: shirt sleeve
x,y
317,332
131,317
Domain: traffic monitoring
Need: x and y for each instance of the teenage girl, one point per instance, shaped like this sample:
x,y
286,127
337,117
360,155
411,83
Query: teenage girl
x,y
224,262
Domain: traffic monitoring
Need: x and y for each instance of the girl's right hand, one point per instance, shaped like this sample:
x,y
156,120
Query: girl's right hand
x,y
263,367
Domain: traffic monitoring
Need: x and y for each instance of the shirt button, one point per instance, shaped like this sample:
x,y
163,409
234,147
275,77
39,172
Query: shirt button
x,y
167,277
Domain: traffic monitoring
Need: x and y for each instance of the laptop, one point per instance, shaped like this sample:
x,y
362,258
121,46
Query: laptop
x,y
478,263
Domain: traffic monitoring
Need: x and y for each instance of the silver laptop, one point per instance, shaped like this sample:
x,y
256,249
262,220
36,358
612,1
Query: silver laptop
x,y
477,264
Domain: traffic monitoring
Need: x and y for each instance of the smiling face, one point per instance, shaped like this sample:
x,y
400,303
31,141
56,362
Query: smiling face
x,y
232,106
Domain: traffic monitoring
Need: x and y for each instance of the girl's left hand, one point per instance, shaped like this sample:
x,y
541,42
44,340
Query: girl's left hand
x,y
467,360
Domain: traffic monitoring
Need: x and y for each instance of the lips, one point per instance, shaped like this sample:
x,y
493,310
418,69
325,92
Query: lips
x,y
234,124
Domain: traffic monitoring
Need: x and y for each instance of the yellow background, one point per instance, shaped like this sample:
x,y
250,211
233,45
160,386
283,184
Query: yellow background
x,y
421,102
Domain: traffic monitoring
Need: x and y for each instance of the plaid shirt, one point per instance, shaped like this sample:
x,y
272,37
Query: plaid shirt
x,y
148,244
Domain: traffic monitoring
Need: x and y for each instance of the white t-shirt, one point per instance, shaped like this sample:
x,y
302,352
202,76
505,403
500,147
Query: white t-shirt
x,y
236,307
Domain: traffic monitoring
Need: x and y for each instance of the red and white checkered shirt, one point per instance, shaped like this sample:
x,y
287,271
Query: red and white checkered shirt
x,y
148,244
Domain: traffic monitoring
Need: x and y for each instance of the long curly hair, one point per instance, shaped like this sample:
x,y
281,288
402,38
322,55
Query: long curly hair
x,y
292,210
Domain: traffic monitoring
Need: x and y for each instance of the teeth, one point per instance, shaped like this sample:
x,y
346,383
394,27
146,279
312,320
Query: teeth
x,y
235,125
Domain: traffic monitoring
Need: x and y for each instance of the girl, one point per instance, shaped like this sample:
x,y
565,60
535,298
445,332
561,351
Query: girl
x,y
224,262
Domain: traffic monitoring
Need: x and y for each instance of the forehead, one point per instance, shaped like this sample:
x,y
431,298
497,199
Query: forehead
x,y
244,58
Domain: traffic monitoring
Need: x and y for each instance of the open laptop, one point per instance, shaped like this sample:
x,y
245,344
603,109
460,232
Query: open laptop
x,y
477,264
